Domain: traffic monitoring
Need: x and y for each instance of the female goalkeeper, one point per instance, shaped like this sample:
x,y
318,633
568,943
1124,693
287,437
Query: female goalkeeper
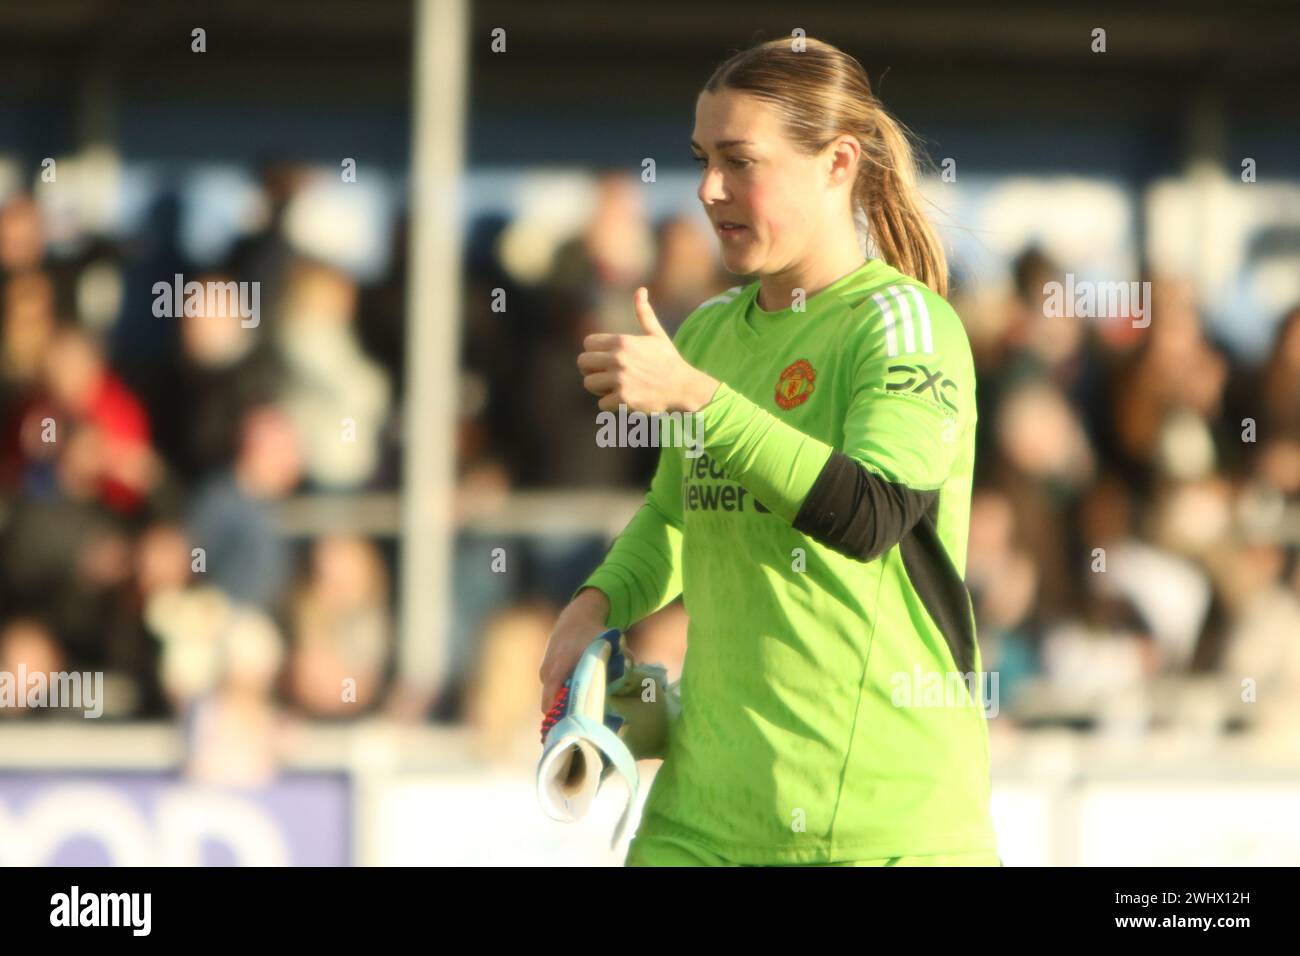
x,y
831,695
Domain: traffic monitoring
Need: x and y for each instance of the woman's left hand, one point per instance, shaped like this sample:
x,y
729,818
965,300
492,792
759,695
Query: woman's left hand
x,y
643,372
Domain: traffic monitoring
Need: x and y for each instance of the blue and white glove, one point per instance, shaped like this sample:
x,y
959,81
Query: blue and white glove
x,y
610,713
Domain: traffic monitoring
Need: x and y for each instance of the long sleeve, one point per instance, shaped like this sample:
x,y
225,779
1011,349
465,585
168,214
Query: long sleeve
x,y
643,570
774,460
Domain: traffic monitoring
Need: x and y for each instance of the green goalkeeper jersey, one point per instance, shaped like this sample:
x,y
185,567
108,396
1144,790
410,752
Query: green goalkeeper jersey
x,y
831,692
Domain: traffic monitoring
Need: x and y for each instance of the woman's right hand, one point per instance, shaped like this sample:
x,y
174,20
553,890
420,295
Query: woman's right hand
x,y
580,623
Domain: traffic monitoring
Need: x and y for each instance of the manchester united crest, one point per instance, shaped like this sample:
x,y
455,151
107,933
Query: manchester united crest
x,y
795,384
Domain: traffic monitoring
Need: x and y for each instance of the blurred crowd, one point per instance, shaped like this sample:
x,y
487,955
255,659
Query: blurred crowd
x,y
1133,544
1132,524
144,452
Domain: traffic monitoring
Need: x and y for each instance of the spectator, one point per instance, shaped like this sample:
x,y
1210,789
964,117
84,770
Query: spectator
x,y
231,521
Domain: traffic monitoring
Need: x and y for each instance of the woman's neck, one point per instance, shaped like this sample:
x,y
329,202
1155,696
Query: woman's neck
x,y
776,291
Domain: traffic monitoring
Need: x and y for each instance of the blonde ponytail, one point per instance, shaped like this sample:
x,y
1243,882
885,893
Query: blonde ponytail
x,y
890,200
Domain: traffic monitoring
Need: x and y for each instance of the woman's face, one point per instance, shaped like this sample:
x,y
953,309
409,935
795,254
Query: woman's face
x,y
752,176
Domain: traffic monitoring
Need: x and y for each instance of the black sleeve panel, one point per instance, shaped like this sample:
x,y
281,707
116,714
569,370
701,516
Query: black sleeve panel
x,y
942,591
859,514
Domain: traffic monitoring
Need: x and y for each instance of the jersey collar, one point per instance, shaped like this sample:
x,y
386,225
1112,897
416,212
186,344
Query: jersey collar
x,y
758,329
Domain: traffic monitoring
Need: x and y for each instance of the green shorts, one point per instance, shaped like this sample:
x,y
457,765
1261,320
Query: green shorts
x,y
668,851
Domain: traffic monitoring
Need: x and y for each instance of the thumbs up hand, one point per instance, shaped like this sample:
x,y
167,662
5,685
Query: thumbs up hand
x,y
643,372
646,315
